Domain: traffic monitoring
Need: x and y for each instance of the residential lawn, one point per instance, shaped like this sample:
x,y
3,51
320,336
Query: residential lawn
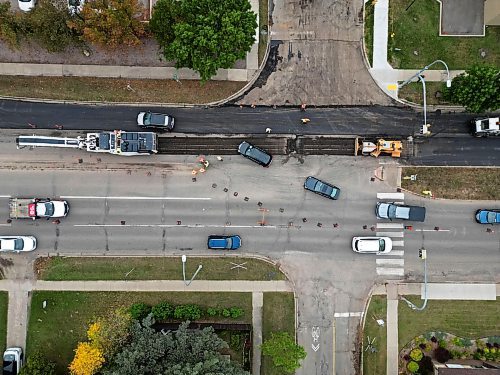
x,y
4,304
154,268
278,315
263,25
467,319
115,89
375,363
413,92
417,29
455,183
369,18
56,330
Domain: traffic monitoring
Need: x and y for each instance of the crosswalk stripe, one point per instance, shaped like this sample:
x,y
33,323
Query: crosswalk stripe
x,y
400,196
348,314
390,225
390,234
395,253
390,271
397,243
390,262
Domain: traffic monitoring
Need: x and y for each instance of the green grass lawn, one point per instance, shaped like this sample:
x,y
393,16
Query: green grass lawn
x,y
278,315
418,30
115,89
56,330
413,92
263,25
455,183
376,363
154,268
369,18
468,319
4,304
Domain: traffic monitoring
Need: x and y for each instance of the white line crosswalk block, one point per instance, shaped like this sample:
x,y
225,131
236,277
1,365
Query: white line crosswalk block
x,y
394,253
391,262
390,234
397,243
395,196
390,271
390,225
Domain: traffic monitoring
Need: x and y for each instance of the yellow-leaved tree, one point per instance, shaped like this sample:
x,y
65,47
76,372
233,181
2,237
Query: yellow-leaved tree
x,y
88,359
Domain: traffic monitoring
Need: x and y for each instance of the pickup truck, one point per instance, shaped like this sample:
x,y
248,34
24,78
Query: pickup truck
x,y
398,211
485,127
35,208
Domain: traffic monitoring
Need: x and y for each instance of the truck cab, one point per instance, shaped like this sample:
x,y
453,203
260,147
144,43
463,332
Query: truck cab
x,y
486,127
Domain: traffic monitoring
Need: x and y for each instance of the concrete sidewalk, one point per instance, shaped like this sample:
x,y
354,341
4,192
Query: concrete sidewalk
x,y
20,293
383,73
435,291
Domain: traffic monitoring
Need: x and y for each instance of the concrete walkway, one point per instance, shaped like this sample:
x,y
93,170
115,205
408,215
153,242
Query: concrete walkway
x,y
435,291
383,73
20,293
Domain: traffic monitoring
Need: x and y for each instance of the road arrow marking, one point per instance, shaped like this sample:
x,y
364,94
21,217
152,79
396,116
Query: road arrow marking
x,y
315,348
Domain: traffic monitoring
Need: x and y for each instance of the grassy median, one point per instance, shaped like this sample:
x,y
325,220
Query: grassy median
x,y
154,268
4,304
117,89
454,183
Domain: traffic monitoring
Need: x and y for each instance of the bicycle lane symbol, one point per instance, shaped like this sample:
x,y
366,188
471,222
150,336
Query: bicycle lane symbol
x,y
315,333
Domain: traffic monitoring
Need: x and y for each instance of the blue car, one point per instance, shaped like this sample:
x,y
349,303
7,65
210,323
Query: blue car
x,y
224,242
486,216
321,188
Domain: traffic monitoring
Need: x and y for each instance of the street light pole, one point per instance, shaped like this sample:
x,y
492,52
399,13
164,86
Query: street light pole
x,y
422,253
184,260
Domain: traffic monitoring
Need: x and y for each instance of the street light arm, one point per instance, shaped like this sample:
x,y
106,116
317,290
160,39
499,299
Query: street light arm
x,y
448,82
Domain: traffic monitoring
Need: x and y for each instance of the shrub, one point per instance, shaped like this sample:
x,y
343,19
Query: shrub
x,y
428,347
412,367
226,313
163,311
422,346
211,311
416,354
420,340
441,354
189,312
426,366
139,311
236,341
455,354
443,344
236,312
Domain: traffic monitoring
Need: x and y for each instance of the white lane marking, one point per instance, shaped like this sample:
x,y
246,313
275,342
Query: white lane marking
x,y
348,314
390,225
398,243
390,234
5,196
138,198
390,271
399,196
396,253
5,225
431,230
390,262
175,226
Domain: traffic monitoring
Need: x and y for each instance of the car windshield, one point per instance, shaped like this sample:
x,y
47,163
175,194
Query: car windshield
x,y
9,364
156,119
381,245
491,217
391,211
229,243
323,188
257,154
49,209
18,244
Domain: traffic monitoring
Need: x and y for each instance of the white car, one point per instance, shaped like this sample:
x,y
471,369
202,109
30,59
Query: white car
x,y
26,5
372,245
75,6
12,361
17,243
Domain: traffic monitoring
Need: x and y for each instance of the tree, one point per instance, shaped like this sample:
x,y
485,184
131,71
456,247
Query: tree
x,y
8,25
204,35
183,352
37,364
111,23
109,333
478,89
88,360
286,354
47,24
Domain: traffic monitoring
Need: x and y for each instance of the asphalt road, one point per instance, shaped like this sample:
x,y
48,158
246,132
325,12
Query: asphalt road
x,y
166,212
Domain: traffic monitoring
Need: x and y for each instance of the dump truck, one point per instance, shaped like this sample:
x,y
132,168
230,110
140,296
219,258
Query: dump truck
x,y
35,208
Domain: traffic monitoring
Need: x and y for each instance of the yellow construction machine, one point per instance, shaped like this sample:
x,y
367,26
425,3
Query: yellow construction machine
x,y
368,147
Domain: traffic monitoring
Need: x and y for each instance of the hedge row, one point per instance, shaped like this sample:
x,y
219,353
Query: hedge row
x,y
164,311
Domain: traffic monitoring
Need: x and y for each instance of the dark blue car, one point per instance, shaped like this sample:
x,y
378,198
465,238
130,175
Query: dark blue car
x,y
224,242
486,216
322,188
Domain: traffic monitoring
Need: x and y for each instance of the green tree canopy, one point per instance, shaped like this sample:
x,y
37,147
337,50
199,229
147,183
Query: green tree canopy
x,y
9,27
204,35
37,364
478,89
286,354
111,23
183,352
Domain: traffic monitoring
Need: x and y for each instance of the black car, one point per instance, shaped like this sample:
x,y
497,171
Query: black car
x,y
156,121
321,188
255,154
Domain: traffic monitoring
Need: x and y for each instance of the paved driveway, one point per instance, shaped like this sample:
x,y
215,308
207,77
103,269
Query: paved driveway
x,y
317,57
462,17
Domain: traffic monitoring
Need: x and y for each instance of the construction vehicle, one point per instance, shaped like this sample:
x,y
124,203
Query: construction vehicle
x,y
375,148
117,142
35,208
485,127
